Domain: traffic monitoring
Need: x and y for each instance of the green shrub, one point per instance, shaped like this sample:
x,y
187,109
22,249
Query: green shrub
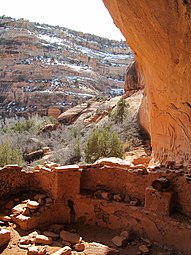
x,y
30,125
103,143
120,112
75,133
9,154
23,125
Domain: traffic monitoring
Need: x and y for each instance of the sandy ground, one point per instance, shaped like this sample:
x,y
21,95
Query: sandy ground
x,y
90,234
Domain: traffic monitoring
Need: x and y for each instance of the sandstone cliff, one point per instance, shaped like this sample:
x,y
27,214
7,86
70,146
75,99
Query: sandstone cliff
x,y
159,32
133,79
45,66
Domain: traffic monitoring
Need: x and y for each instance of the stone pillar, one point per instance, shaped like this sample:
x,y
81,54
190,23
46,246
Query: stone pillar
x,y
158,202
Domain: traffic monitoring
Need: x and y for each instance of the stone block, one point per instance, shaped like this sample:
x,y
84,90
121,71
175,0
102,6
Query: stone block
x,y
5,236
158,202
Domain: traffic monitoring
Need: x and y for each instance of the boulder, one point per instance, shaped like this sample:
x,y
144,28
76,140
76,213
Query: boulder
x,y
70,237
26,212
71,115
119,241
5,218
114,162
99,249
18,209
5,236
25,240
32,205
79,247
33,250
127,235
43,251
21,220
64,251
51,234
42,239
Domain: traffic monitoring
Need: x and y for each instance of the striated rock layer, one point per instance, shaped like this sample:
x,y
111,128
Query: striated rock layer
x,y
159,32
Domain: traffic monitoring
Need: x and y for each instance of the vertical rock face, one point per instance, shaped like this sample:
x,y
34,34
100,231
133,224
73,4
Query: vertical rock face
x,y
159,32
133,79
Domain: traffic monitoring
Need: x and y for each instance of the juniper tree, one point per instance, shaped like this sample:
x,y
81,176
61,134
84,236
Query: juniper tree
x,y
120,111
103,143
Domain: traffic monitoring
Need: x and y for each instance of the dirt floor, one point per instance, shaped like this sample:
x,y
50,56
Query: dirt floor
x,y
89,234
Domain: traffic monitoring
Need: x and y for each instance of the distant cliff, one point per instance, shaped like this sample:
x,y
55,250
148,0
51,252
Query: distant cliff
x,y
43,67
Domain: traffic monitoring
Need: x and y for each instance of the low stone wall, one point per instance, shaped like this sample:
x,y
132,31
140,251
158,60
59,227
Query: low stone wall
x,y
134,183
161,216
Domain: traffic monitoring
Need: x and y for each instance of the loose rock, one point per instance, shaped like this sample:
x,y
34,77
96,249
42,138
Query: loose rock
x,y
119,241
33,250
18,209
42,239
25,240
79,247
144,249
70,237
99,249
64,251
32,204
51,234
5,236
26,212
42,251
126,234
118,197
106,195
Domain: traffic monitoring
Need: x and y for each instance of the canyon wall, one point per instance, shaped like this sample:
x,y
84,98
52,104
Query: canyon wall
x,y
43,66
159,33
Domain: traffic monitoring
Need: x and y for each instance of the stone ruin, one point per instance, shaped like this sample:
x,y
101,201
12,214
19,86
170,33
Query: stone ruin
x,y
152,203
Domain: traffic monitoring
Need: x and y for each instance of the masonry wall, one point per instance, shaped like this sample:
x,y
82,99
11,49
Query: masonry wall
x,y
161,216
134,184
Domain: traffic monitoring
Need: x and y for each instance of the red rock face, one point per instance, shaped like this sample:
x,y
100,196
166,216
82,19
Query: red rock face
x,y
133,79
159,32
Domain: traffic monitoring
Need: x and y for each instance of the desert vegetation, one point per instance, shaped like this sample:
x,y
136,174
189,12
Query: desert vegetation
x,y
67,144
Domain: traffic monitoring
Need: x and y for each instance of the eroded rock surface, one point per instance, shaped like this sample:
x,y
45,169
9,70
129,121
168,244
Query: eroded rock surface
x,y
47,69
159,33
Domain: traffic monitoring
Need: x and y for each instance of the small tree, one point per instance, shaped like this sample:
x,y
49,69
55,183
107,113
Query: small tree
x,y
120,111
75,133
91,149
103,143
